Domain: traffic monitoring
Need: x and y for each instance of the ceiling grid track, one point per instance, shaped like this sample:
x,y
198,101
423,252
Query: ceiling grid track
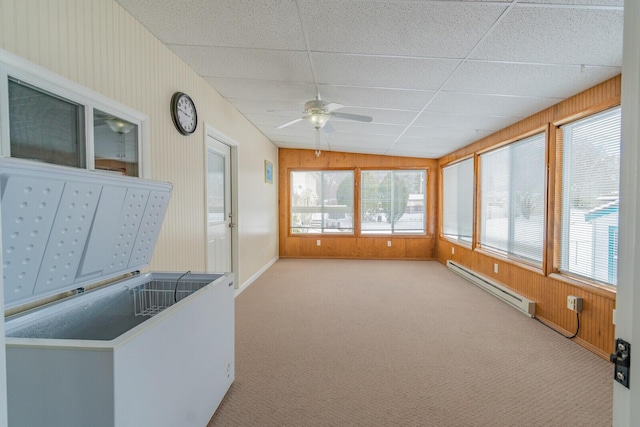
x,y
464,60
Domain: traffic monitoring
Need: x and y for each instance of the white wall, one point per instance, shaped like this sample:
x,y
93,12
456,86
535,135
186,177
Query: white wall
x,y
98,45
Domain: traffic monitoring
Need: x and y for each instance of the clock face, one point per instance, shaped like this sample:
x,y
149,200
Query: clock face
x,y
183,111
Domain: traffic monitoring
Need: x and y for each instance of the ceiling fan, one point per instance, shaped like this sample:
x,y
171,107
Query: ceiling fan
x,y
318,112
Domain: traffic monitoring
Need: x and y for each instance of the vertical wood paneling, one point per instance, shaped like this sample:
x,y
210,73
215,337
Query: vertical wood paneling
x,y
549,293
363,246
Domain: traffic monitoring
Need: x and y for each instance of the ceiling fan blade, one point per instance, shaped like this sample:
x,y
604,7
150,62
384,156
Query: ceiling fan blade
x,y
327,128
333,106
356,117
284,125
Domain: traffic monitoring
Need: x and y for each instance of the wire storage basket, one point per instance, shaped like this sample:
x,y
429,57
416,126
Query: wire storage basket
x,y
154,296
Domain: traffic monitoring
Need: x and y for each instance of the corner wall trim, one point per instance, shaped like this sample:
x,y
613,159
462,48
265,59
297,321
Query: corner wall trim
x,y
253,278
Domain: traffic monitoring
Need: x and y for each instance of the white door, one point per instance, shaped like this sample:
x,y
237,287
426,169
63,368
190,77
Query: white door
x,y
219,215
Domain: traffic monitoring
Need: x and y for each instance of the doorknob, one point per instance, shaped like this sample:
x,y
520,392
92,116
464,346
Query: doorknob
x,y
231,225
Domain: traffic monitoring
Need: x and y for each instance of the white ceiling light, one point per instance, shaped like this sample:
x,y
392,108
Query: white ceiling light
x,y
119,126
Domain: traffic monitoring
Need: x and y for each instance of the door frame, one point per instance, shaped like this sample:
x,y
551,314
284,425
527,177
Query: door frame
x,y
210,131
626,401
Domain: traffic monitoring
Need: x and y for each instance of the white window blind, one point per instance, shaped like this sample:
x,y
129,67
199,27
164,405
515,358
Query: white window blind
x,y
321,202
457,210
393,201
590,153
513,199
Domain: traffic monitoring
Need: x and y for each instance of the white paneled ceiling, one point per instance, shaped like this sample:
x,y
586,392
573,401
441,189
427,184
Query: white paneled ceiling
x,y
435,75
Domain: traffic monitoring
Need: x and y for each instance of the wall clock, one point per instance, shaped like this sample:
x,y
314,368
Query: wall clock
x,y
183,113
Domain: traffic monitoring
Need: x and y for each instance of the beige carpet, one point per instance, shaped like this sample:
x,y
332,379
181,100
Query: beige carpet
x,y
401,343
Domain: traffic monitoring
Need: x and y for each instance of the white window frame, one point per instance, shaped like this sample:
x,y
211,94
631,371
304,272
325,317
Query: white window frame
x,y
565,216
392,231
511,242
457,238
48,81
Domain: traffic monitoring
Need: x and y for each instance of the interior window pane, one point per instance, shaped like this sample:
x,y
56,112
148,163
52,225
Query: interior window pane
x,y
45,127
393,202
321,202
116,144
513,195
590,199
215,187
457,210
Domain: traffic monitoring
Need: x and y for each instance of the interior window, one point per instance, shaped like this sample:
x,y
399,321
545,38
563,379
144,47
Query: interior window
x,y
116,144
45,127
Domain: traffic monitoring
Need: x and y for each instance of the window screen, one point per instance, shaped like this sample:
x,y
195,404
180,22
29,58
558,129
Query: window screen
x,y
457,194
590,153
513,199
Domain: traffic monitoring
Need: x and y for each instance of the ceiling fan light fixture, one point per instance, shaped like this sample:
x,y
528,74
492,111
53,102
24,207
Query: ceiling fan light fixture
x,y
119,126
318,119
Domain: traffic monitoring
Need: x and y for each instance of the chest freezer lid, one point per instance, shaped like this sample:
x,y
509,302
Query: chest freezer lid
x,y
65,228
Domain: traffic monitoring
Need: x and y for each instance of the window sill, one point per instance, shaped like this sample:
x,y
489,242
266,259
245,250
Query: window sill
x,y
592,287
362,236
512,261
460,243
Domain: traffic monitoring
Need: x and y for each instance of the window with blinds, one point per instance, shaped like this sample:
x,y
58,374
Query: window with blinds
x,y
321,201
512,181
457,204
393,201
590,155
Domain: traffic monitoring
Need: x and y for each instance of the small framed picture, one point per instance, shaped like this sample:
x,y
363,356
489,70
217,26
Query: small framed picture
x,y
268,172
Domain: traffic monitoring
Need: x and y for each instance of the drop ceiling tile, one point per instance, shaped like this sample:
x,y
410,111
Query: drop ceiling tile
x,y
556,35
616,3
382,71
282,109
407,143
448,133
349,126
426,147
246,63
269,120
413,28
423,154
263,89
476,121
359,140
554,81
392,117
357,150
492,105
392,99
239,23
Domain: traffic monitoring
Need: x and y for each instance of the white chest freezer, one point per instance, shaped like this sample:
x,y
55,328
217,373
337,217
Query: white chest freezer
x,y
150,349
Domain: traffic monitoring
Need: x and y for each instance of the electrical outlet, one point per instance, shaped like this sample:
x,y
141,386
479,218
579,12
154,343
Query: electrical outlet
x,y
318,242
453,250
389,243
574,303
495,267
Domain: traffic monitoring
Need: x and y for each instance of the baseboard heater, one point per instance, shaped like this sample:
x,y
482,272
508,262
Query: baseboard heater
x,y
512,298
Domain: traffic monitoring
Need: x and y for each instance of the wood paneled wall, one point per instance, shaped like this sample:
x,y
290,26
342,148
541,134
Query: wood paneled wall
x,y
353,246
545,286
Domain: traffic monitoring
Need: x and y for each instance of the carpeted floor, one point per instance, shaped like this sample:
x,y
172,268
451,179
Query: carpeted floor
x,y
401,343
